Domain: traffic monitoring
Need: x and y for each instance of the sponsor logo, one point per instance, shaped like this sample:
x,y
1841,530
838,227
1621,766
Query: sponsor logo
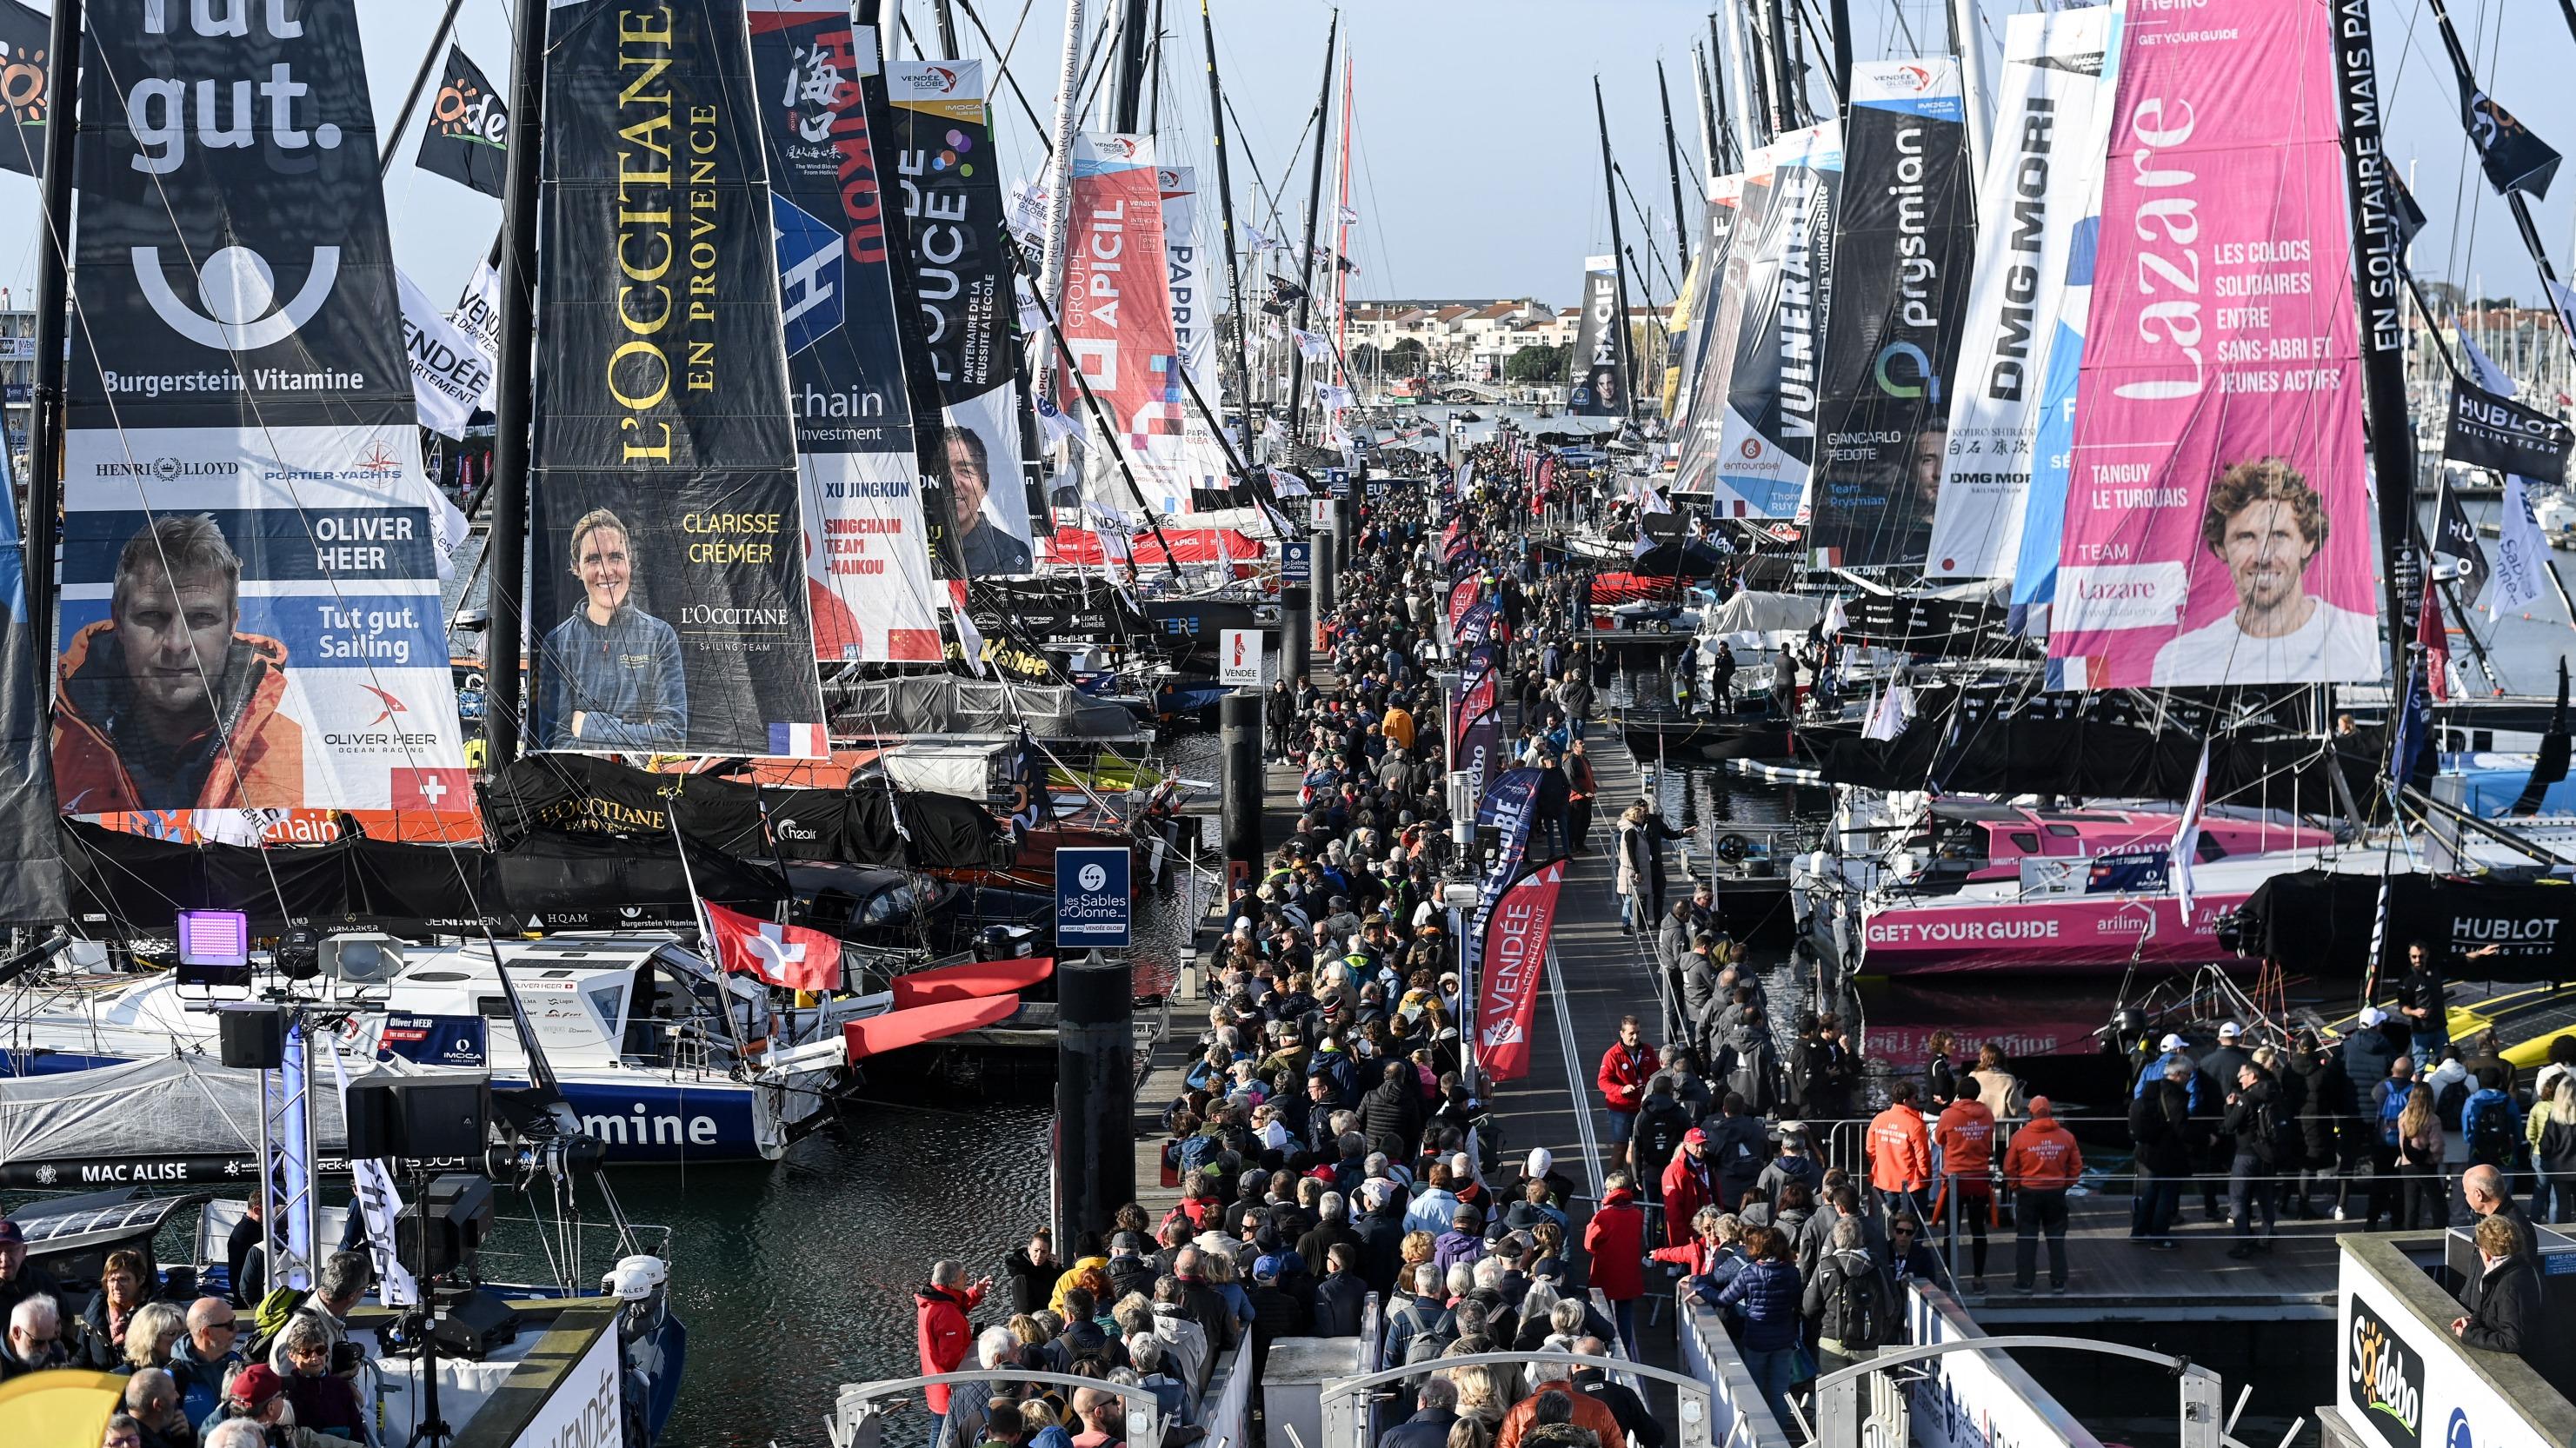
x,y
166,469
930,80
1752,448
466,112
239,290
2385,1378
392,705
792,829
378,460
810,292
22,87
1911,77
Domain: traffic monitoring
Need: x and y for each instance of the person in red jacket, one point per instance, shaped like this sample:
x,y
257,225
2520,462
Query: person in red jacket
x,y
1900,1155
1622,1079
1689,1184
1615,1240
941,1324
1966,1136
2043,1163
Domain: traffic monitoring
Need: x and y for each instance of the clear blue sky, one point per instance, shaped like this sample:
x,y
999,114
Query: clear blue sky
x,y
1477,171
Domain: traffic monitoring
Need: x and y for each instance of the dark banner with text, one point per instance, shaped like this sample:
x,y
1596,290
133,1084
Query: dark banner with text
x,y
668,579
468,139
249,601
2488,431
1515,967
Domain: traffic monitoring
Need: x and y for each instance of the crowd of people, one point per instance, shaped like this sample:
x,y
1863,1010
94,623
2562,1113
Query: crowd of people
x,y
269,1368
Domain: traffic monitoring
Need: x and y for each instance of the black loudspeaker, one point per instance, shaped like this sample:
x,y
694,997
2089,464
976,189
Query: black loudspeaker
x,y
253,1036
419,1117
457,1212
471,1322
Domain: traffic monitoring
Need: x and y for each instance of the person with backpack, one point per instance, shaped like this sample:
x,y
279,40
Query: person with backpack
x,y
1848,1302
2167,1144
2386,1105
2261,1131
1662,1122
2491,1122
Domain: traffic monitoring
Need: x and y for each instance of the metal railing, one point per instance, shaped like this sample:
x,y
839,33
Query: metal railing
x,y
1228,1417
1738,1416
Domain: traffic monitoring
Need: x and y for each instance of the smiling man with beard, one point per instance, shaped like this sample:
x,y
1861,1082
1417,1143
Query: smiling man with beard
x,y
164,705
2266,524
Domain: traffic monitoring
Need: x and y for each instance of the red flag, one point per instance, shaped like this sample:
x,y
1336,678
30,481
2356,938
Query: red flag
x,y
786,955
1509,972
2436,639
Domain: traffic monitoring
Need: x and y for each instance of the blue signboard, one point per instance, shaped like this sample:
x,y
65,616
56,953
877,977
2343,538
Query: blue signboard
x,y
435,1040
1339,480
1093,904
1296,562
2138,869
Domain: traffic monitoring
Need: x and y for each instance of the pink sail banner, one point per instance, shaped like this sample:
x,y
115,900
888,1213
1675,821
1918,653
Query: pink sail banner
x,y
2074,934
2218,516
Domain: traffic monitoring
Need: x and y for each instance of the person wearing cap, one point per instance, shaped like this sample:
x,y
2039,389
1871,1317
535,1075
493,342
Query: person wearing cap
x,y
2042,1163
2171,1049
1795,1163
2168,1143
2373,1047
258,1394
19,1281
1276,1313
1689,1184
1540,1166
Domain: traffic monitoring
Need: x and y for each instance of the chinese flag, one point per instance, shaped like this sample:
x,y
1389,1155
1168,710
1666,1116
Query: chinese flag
x,y
783,955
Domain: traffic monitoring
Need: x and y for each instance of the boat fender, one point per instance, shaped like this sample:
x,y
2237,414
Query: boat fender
x,y
1733,848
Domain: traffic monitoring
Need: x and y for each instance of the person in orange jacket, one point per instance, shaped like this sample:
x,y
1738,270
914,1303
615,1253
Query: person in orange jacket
x,y
1966,1135
2043,1163
1900,1155
1625,1068
1689,1184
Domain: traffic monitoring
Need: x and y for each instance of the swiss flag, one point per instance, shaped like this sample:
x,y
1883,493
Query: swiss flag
x,y
785,955
440,789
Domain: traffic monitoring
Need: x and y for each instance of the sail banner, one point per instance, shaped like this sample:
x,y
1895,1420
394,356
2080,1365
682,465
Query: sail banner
x,y
1515,965
2218,515
1768,438
2491,431
667,583
1902,244
24,34
1200,464
1702,438
1117,317
249,608
1599,388
950,181
31,859
2056,86
868,582
468,139
1717,227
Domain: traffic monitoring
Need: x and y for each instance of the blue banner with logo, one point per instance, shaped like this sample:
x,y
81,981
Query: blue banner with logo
x,y
436,1040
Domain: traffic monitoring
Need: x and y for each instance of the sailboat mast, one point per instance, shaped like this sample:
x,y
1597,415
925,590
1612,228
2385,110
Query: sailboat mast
x,y
2379,261
1711,164
1059,204
1618,256
1126,99
1787,96
1340,278
53,321
419,83
1314,205
947,19
514,399
1972,81
1225,224
1673,163
1841,12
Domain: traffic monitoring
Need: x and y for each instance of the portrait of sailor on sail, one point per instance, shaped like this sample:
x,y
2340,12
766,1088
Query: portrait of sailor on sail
x,y
2265,524
1599,388
165,704
609,676
989,552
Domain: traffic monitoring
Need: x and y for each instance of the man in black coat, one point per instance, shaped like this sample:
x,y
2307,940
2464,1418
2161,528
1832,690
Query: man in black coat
x,y
1276,1313
1380,1230
1340,1294
1429,1427
1621,1400
1391,1112
2504,1303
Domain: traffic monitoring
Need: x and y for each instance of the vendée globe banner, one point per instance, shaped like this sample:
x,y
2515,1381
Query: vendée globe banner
x,y
249,610
1515,966
868,579
2057,81
668,592
2218,515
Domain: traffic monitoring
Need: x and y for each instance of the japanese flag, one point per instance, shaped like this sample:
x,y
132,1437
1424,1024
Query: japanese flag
x,y
783,955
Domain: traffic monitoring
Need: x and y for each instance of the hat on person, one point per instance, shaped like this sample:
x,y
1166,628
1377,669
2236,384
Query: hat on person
x,y
2230,1031
2171,1042
1266,1269
10,1235
255,1386
2372,1016
1695,1137
1540,1159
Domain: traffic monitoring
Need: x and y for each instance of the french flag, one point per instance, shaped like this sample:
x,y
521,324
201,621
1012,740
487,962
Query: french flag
x,y
799,741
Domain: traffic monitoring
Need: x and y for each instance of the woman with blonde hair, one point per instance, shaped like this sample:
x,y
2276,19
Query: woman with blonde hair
x,y
1997,1086
2423,1195
151,1336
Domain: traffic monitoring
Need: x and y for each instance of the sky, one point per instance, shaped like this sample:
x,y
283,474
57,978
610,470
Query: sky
x,y
1476,167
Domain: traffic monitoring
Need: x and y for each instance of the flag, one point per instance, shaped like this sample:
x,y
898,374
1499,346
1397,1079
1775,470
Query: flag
x,y
970,639
1349,217
2454,534
783,955
1311,345
2436,641
2414,724
1332,396
2514,158
2409,216
1288,485
1052,421
1286,290
2521,550
1836,619
1346,266
2550,765
2482,368
1254,239
2186,836
1889,713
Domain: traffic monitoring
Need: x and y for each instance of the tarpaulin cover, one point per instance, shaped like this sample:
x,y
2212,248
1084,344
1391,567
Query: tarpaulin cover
x,y
601,797
1949,628
169,1106
2319,922
946,704
1751,611
1608,589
